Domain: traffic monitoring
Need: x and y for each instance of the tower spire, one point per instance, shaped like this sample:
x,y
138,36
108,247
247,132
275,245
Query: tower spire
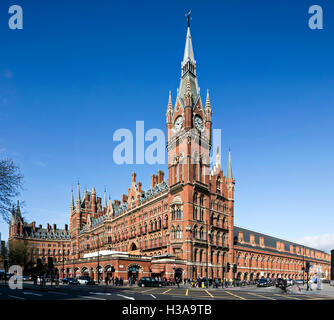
x,y
169,111
229,167
105,198
207,102
72,198
188,51
18,210
78,192
188,69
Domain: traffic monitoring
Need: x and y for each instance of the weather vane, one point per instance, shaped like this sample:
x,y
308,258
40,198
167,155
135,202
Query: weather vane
x,y
189,17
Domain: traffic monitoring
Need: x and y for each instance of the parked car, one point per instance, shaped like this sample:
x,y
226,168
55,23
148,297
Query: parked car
x,y
290,282
279,282
73,281
70,281
264,282
149,282
86,280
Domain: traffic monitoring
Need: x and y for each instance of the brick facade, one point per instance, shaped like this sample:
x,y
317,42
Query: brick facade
x,y
183,225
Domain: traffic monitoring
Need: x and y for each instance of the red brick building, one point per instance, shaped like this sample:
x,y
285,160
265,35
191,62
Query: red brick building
x,y
42,242
183,225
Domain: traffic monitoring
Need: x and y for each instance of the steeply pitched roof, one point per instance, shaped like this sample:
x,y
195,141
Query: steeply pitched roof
x,y
269,241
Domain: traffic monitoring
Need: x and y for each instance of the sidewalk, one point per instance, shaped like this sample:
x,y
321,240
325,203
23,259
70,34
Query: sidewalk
x,y
327,289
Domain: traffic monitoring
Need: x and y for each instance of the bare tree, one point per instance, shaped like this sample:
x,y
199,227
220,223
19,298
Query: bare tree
x,y
22,254
10,185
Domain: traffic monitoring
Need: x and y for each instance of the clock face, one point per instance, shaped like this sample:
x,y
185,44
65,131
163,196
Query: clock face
x,y
178,123
198,123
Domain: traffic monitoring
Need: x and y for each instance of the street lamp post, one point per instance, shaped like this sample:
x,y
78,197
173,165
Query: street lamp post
x,y
208,235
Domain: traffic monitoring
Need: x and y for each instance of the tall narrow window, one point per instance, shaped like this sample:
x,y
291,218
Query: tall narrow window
x,y
218,185
194,171
201,209
195,207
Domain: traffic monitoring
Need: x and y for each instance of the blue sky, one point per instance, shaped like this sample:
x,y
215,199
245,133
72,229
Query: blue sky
x,y
79,70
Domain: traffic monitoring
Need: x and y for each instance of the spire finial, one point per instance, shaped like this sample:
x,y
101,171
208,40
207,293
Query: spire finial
x,y
207,102
229,175
78,191
18,210
188,15
170,104
72,198
105,198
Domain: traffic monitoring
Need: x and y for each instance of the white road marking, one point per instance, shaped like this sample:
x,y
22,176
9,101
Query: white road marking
x,y
94,298
153,296
130,298
103,293
33,293
15,297
60,293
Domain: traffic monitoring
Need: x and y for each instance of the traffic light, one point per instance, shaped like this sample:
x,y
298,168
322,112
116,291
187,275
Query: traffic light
x,y
228,267
50,262
224,269
307,269
112,269
234,268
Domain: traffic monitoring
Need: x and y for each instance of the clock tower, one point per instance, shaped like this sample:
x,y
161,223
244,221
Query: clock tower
x,y
188,146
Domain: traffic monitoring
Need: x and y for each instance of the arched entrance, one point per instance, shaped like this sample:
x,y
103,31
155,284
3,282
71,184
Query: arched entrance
x,y
133,272
109,270
178,274
85,272
133,247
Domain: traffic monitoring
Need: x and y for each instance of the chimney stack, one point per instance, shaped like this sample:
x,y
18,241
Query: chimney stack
x,y
139,187
117,202
48,227
160,176
154,180
134,177
34,226
124,198
54,227
66,227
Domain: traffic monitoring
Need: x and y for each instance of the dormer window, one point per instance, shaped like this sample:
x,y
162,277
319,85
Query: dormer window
x,y
218,185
